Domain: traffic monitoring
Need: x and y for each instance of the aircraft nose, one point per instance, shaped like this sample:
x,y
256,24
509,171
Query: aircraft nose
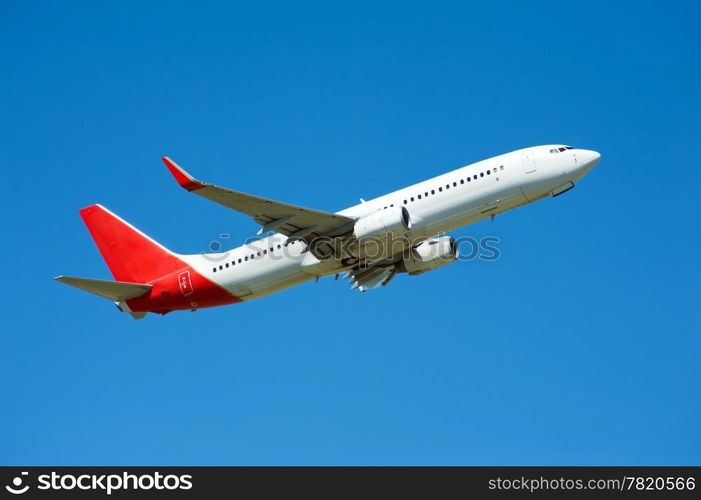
x,y
587,159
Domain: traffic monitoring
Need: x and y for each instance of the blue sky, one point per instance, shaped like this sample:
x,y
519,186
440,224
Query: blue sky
x,y
580,345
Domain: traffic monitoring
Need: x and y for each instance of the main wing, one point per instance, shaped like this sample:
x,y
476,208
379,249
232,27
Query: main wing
x,y
290,220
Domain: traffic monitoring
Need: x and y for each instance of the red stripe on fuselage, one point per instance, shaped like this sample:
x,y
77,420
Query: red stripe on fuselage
x,y
170,293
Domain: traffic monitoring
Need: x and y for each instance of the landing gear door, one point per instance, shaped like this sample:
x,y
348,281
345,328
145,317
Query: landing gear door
x,y
240,288
528,161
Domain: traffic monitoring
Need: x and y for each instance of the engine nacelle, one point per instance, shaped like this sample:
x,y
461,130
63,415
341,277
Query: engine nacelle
x,y
390,221
431,254
381,235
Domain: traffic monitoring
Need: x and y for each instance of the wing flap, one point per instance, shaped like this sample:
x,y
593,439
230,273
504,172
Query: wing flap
x,y
373,277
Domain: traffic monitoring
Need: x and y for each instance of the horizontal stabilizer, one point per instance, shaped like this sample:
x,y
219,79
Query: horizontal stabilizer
x,y
114,290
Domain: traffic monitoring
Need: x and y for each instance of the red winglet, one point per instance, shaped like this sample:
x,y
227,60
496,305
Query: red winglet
x,y
183,178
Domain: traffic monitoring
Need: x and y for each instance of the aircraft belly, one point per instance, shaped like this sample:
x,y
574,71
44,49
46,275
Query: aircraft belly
x,y
475,210
275,277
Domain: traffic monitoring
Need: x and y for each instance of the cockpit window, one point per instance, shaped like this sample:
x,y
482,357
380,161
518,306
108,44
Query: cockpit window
x,y
560,149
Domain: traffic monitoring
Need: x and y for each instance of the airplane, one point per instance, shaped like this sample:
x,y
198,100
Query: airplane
x,y
369,243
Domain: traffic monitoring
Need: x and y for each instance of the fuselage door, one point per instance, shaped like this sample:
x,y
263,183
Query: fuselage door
x,y
185,283
528,160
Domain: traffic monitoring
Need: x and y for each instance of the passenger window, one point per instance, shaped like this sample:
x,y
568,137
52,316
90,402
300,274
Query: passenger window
x,y
501,168
412,198
475,177
433,191
419,196
426,193
405,202
488,172
481,174
245,258
440,189
221,267
214,270
462,181
455,184
469,179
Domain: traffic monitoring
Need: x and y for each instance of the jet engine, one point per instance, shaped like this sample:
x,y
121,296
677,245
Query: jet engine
x,y
393,220
381,234
430,254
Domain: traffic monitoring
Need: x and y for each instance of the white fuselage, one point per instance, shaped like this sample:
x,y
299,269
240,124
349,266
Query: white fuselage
x,y
436,206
